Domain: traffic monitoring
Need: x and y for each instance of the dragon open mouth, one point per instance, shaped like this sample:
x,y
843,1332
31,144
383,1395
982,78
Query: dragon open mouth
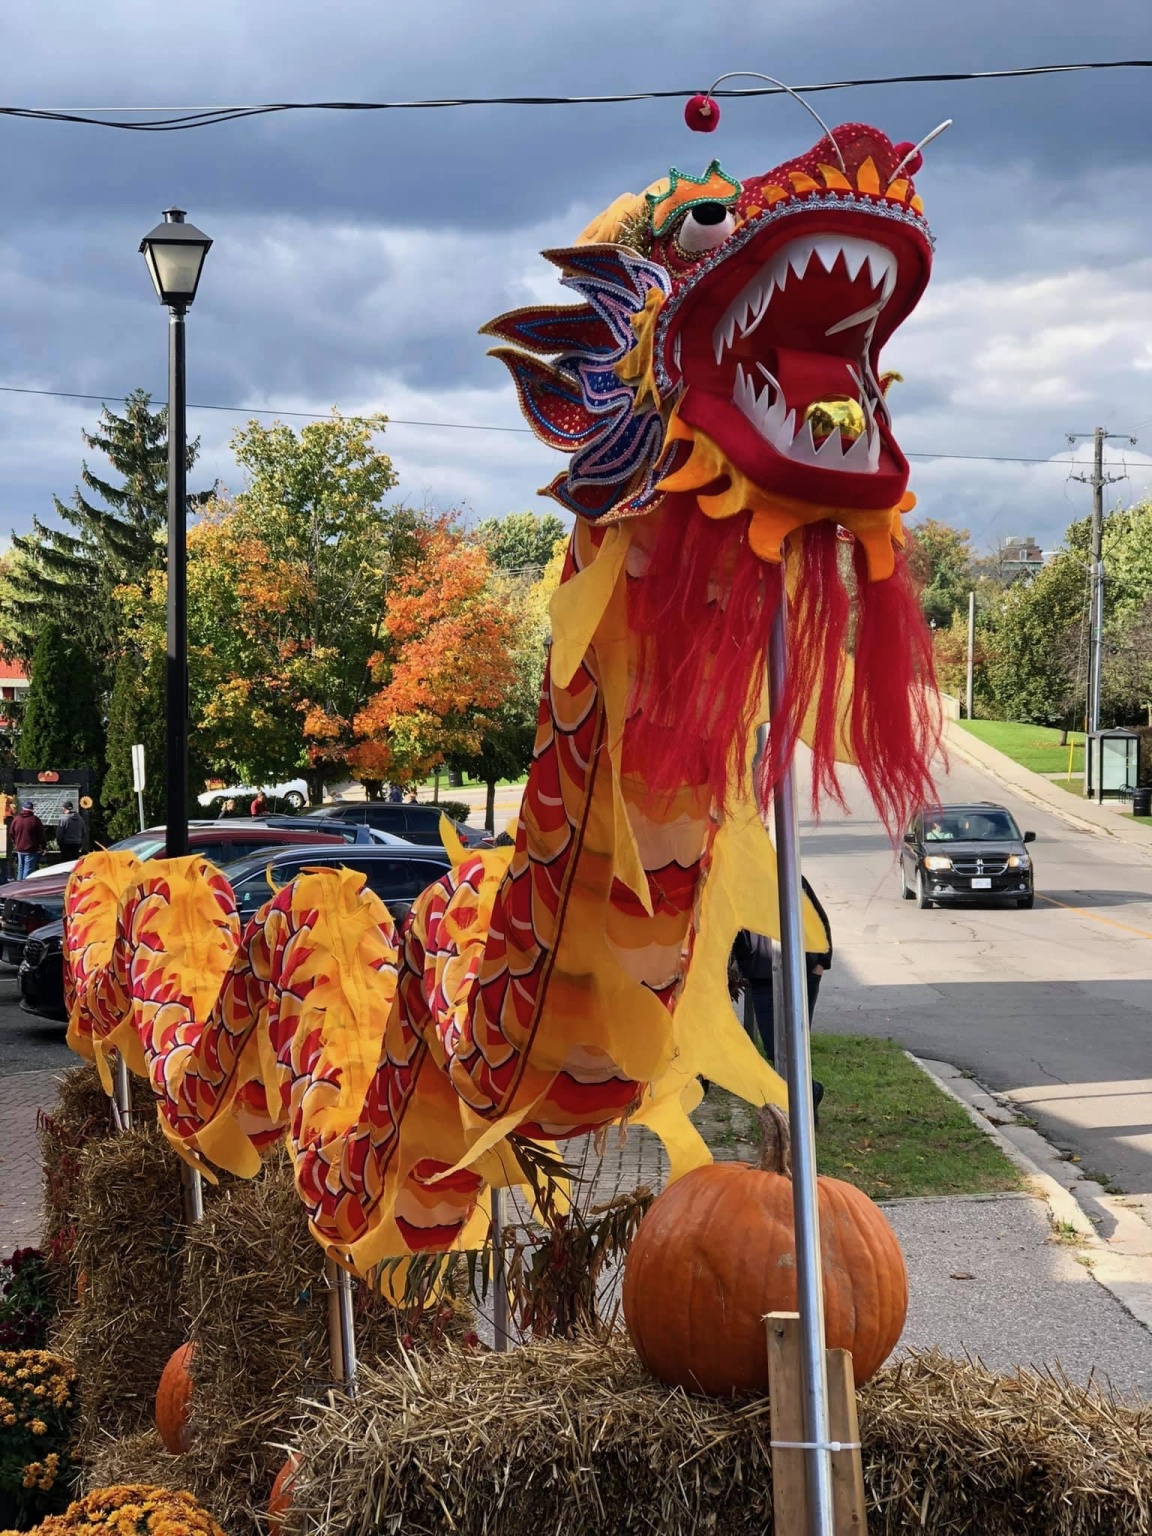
x,y
777,348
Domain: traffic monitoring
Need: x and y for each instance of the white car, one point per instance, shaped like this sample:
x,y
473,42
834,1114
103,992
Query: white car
x,y
294,792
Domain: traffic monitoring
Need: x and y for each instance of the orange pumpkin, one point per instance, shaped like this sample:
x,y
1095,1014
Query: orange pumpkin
x,y
280,1499
716,1252
173,1399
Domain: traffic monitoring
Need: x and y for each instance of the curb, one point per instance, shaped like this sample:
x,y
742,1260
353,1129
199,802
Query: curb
x,y
1116,1241
1035,788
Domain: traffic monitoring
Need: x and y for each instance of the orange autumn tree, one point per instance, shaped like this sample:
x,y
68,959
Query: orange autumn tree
x,y
446,662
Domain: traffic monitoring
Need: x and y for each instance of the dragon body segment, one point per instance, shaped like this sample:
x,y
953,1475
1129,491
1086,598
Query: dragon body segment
x,y
577,979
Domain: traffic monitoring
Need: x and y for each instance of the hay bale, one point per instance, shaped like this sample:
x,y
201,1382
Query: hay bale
x,y
256,1300
130,1232
576,1440
137,1458
80,1115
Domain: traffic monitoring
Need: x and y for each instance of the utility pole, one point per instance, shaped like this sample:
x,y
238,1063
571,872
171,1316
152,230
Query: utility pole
x,y
1097,480
971,649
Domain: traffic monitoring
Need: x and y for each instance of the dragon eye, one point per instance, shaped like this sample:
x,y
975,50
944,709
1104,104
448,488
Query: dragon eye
x,y
704,228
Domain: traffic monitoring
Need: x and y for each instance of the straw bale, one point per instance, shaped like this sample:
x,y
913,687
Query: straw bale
x,y
137,1458
256,1301
80,1115
573,1438
130,1233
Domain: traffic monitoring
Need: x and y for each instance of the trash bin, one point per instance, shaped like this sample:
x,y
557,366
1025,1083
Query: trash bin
x,y
1142,801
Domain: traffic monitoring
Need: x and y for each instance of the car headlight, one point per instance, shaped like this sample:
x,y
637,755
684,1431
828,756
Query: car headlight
x,y
937,861
1019,861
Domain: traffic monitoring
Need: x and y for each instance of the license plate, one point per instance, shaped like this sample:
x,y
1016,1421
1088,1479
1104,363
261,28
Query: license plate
x,y
981,883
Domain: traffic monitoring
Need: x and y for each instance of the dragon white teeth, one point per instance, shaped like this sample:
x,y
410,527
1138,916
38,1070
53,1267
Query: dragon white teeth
x,y
751,304
769,414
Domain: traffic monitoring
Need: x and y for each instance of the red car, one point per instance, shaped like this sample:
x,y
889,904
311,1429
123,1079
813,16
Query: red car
x,y
29,904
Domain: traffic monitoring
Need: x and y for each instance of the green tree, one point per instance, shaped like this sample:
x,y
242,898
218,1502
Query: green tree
x,y
1035,636
940,559
62,725
136,714
110,536
521,543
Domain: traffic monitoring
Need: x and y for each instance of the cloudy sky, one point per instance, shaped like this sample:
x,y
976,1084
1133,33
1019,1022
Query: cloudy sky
x,y
356,254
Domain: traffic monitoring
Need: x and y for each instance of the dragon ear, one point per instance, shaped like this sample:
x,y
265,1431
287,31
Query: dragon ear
x,y
550,400
550,328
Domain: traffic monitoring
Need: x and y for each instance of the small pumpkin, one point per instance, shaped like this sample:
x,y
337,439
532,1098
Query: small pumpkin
x,y
173,1400
280,1499
716,1253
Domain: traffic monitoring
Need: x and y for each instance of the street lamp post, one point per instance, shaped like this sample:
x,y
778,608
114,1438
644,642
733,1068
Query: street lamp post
x,y
175,253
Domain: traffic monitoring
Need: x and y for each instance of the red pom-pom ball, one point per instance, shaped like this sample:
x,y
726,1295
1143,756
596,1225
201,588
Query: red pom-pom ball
x,y
702,114
916,161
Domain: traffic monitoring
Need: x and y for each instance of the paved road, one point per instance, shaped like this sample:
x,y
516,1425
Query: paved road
x,y
1053,1005
27,1044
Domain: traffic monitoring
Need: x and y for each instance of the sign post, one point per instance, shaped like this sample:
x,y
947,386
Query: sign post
x,y
138,779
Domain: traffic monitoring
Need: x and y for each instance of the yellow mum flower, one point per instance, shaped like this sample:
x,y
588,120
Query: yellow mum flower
x,y
37,1426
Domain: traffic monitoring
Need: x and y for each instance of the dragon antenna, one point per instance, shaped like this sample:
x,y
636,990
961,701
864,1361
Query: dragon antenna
x,y
916,148
752,74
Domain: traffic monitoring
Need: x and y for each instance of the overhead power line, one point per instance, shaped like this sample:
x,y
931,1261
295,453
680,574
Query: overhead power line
x,y
180,119
466,426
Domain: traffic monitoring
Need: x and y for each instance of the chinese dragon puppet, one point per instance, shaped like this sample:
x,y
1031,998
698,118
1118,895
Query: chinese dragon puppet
x,y
718,388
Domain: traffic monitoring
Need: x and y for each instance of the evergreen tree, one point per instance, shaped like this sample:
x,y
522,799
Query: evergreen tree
x,y
62,726
110,537
136,714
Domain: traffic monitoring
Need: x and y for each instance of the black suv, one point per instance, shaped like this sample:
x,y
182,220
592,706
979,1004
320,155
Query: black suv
x,y
417,823
957,853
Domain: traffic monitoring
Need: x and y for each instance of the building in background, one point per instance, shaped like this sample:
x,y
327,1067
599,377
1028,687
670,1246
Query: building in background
x,y
13,689
1018,556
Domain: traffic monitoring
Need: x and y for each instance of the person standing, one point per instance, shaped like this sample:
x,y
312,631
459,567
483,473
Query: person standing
x,y
29,839
259,806
395,795
751,960
70,832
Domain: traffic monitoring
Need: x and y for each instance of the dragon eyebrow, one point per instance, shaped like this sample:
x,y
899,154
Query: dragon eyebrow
x,y
753,74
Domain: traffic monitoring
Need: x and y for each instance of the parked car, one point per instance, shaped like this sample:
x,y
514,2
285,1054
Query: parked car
x,y
294,793
966,853
396,874
29,904
418,823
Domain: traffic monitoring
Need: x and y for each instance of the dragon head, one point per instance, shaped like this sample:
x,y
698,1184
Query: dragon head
x,y
729,344
720,385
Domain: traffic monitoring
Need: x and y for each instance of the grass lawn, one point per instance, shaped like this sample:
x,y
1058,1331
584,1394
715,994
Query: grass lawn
x,y
884,1126
1032,746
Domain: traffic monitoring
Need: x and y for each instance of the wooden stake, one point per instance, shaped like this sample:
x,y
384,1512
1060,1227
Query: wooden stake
x,y
789,1484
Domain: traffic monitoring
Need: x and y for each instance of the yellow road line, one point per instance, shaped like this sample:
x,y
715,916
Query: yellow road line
x,y
1109,922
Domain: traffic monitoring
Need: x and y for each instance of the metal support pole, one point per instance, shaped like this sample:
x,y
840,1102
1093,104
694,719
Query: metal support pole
x,y
341,1326
501,1333
971,651
123,1099
792,1027
193,1195
176,799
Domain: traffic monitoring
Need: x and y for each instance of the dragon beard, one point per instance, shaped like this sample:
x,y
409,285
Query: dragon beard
x,y
702,605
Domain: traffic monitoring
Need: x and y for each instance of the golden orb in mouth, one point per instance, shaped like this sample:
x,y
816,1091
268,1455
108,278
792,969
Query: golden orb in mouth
x,y
837,414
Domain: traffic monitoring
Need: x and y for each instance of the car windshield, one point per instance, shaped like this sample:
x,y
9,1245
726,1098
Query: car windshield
x,y
145,845
974,826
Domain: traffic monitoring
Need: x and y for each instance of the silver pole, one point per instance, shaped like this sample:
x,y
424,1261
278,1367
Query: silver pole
x,y
123,1098
341,1326
500,1329
792,1027
193,1195
140,807
971,649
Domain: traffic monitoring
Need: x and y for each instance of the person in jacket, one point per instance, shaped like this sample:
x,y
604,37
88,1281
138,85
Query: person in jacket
x,y
259,806
70,832
751,965
28,837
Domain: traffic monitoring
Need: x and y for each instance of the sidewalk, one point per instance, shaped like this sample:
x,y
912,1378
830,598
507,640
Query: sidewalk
x,y
1059,1276
1085,814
